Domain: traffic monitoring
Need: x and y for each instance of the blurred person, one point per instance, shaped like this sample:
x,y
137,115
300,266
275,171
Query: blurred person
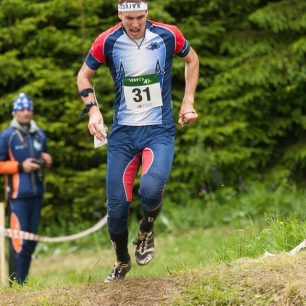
x,y
138,53
23,159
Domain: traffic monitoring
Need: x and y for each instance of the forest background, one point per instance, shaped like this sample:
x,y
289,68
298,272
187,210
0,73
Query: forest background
x,y
243,158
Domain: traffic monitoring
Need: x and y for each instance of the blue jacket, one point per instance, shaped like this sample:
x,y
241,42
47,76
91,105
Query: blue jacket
x,y
16,145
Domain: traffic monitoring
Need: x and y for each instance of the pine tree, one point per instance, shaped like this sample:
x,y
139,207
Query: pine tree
x,y
250,96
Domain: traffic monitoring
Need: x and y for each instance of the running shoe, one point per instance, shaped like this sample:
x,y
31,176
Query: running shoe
x,y
119,271
145,249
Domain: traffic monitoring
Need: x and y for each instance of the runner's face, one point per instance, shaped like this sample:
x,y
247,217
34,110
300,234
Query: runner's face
x,y
24,116
134,23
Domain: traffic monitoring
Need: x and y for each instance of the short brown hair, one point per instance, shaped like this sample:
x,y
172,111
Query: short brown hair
x,y
135,1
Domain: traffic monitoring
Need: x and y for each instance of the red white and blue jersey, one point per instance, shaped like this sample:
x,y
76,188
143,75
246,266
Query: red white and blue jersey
x,y
125,58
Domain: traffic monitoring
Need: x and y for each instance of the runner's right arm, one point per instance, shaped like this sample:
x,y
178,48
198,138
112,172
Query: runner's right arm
x,y
96,120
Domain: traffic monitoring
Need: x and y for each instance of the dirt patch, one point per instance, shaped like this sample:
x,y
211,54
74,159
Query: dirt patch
x,y
140,291
279,280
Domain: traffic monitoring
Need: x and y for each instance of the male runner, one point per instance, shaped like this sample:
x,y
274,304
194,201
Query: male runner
x,y
138,53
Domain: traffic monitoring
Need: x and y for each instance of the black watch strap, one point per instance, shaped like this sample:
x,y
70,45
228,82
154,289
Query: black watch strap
x,y
87,108
85,92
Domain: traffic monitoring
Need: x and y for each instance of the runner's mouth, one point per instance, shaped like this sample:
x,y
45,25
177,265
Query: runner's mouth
x,y
135,31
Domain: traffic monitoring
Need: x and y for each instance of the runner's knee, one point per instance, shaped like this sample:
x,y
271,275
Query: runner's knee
x,y
151,191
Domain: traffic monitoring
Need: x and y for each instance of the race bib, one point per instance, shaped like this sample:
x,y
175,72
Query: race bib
x,y
142,92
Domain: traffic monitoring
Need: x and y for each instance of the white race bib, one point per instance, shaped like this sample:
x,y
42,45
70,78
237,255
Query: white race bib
x,y
142,92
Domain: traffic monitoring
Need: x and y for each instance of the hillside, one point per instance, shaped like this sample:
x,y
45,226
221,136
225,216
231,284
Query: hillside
x,y
279,280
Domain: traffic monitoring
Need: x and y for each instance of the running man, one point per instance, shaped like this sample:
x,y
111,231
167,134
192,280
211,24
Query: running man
x,y
138,53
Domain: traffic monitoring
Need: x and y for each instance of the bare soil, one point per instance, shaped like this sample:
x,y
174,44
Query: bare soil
x,y
278,280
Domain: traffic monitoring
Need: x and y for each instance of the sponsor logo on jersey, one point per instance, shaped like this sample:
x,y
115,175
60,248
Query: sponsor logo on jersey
x,y
153,46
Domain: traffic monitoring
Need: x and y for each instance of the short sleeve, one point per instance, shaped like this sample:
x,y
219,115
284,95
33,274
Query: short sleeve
x,y
182,46
96,55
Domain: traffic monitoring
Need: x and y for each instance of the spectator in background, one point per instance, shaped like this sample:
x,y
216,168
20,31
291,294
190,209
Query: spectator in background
x,y
138,53
23,159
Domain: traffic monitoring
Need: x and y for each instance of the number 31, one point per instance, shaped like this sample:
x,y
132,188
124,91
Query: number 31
x,y
138,94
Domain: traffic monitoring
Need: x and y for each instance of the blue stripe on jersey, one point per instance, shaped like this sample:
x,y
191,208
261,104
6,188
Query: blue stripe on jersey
x,y
91,62
185,50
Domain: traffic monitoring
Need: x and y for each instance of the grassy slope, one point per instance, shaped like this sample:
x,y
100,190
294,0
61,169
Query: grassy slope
x,y
279,280
187,270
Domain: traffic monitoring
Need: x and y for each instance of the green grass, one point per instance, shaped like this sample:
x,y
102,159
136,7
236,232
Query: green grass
x,y
183,250
199,236
278,280
206,254
217,292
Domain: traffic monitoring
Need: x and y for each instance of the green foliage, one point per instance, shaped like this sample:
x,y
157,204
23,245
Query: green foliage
x,y
279,200
250,96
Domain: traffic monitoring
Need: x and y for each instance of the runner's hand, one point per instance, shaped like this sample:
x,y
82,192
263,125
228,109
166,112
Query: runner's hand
x,y
96,123
187,115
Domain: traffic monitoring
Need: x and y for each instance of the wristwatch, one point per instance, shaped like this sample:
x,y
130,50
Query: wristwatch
x,y
89,105
87,108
